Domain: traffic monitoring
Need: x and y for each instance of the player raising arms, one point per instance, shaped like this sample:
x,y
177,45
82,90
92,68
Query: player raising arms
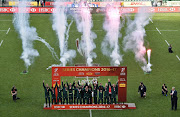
x,y
106,94
95,89
59,97
47,90
70,88
65,94
53,96
101,89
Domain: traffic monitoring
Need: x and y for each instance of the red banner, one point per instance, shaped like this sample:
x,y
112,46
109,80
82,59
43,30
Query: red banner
x,y
90,106
120,72
95,10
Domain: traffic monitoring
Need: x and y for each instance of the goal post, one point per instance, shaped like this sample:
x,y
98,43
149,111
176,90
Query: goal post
x,y
94,71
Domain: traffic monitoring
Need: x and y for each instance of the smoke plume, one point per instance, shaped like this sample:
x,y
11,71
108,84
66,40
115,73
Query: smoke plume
x,y
134,39
26,33
84,25
110,44
60,25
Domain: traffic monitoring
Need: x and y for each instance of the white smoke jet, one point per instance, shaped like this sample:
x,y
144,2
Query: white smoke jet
x,y
134,39
110,45
49,47
59,25
26,33
84,26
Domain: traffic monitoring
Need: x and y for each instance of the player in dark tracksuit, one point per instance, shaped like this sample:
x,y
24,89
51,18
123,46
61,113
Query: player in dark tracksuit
x,y
106,94
47,90
53,96
90,94
79,93
86,96
113,97
95,88
65,93
82,88
70,88
59,97
101,89
75,92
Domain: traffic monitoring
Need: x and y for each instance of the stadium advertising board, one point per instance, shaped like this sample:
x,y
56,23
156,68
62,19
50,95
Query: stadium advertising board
x,y
93,10
13,3
173,3
137,4
90,106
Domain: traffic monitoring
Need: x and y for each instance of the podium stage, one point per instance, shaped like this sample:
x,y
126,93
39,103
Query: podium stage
x,y
91,106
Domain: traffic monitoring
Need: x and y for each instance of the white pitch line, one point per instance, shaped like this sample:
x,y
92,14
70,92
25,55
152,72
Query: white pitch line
x,y
1,43
90,113
151,20
8,31
164,30
13,20
178,57
167,42
158,30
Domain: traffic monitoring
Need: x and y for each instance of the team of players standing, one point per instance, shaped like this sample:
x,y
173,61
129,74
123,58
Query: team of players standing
x,y
84,94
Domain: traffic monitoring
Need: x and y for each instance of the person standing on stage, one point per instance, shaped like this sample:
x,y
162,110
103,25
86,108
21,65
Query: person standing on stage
x,y
95,88
173,98
75,91
70,88
113,97
142,90
53,95
47,90
65,93
14,93
100,89
106,94
90,94
59,97
110,92
164,90
79,93
86,96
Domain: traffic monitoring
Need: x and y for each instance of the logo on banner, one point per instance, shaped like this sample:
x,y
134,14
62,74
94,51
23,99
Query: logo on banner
x,y
89,73
55,72
81,73
122,85
123,72
123,106
122,79
97,73
172,9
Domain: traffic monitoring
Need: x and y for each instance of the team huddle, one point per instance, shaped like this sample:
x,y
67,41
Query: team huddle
x,y
82,94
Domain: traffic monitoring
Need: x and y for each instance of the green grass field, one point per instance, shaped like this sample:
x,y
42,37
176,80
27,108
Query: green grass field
x,y
166,69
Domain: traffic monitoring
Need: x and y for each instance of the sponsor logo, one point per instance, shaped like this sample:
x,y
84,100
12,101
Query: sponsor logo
x,y
89,73
55,72
172,9
81,73
122,85
138,3
122,79
97,73
123,106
